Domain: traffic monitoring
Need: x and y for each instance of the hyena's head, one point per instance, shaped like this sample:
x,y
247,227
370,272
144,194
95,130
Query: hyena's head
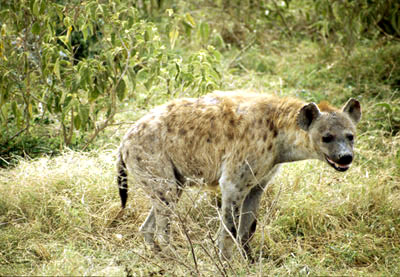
x,y
332,131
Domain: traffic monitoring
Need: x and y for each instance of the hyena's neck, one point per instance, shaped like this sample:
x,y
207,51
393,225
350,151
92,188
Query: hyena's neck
x,y
293,143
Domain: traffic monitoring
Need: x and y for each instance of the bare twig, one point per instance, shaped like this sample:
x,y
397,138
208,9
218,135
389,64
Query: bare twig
x,y
212,259
190,243
232,237
217,255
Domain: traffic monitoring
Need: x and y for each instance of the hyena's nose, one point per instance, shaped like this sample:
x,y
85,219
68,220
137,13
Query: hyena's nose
x,y
346,159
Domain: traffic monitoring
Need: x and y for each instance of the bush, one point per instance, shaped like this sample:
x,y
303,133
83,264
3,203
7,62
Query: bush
x,y
72,63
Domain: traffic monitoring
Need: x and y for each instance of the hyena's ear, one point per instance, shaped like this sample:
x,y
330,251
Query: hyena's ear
x,y
307,114
353,109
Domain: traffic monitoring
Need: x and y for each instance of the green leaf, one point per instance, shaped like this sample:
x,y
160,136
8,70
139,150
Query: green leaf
x,y
56,69
14,108
204,32
149,82
36,28
94,93
189,20
132,77
36,8
178,70
121,90
395,21
173,35
84,114
77,122
42,7
30,110
49,103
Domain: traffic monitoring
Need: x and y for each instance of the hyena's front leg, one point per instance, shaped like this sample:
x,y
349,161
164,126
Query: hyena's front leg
x,y
232,199
248,220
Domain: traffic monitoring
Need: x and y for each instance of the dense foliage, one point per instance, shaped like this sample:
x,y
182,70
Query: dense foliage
x,y
71,63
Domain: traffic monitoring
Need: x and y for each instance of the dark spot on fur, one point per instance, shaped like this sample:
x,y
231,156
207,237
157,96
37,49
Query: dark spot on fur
x,y
263,151
229,135
242,175
232,122
182,132
270,147
275,133
259,121
151,138
210,137
271,126
139,159
144,125
265,137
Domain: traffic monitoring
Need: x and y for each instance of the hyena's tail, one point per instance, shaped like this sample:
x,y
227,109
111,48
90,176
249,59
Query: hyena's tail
x,y
122,180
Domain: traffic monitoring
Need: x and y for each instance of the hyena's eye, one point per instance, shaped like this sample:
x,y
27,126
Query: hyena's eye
x,y
327,138
350,137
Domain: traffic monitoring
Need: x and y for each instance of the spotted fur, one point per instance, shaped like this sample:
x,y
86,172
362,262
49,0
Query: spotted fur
x,y
234,140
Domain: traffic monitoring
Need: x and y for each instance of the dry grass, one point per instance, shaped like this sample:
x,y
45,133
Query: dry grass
x,y
56,215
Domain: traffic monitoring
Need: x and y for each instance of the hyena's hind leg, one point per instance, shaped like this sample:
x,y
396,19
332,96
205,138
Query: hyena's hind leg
x,y
164,192
148,228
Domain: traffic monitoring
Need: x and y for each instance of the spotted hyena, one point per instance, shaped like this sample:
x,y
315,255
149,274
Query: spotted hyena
x,y
236,141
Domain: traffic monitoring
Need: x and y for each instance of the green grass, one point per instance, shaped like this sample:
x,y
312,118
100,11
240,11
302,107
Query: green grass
x,y
57,213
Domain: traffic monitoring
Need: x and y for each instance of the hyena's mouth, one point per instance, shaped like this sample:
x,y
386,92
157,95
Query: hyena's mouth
x,y
338,167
